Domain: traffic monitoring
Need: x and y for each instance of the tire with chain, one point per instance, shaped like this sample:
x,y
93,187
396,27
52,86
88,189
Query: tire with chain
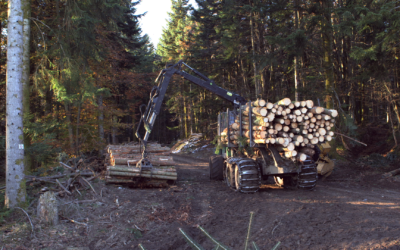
x,y
308,175
247,176
216,167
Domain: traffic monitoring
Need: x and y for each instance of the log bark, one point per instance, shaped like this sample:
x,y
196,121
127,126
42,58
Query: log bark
x,y
307,151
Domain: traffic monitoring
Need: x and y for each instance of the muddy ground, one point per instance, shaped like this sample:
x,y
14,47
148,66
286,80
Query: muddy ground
x,y
354,208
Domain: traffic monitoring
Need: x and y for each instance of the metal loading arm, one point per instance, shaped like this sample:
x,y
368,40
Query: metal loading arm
x,y
157,94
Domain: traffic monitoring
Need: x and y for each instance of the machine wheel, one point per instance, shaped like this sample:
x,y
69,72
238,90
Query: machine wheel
x,y
229,176
247,176
216,167
307,178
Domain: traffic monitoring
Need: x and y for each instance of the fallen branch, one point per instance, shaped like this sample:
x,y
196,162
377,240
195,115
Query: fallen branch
x,y
89,185
29,220
66,190
77,222
65,165
350,138
392,173
81,201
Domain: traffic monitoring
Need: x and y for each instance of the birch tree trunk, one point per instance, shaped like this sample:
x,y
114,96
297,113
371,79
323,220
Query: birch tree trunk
x,y
15,183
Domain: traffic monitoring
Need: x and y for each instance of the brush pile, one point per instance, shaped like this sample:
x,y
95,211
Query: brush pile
x,y
294,127
121,163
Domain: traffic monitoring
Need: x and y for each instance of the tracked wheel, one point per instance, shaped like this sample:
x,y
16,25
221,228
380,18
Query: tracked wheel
x,y
229,175
247,176
307,178
216,167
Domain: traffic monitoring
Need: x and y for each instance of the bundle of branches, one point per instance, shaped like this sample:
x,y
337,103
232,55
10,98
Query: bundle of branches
x,y
73,179
294,127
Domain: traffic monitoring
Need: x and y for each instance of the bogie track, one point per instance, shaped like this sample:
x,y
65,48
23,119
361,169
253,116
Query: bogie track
x,y
243,175
308,175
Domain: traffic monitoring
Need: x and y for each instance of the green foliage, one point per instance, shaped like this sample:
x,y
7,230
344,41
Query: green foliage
x,y
216,141
380,161
4,212
43,134
2,147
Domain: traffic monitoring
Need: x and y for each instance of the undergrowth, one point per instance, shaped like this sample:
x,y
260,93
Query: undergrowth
x,y
4,212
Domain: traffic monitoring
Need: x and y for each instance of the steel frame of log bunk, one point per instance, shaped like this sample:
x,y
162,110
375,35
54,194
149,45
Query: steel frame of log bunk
x,y
241,170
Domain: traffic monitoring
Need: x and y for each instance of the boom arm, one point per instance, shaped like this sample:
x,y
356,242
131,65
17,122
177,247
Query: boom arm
x,y
157,94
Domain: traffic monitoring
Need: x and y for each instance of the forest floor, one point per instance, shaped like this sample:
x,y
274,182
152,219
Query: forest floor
x,y
354,208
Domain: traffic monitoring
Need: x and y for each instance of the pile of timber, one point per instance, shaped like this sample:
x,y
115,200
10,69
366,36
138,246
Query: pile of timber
x,y
293,127
121,163
187,144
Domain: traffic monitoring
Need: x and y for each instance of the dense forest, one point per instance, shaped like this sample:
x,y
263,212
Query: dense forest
x,y
91,67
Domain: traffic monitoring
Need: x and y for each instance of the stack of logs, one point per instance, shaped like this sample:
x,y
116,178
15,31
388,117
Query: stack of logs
x,y
294,127
122,160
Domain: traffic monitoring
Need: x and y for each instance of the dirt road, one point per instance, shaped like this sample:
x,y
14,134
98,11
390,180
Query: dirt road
x,y
352,209
336,215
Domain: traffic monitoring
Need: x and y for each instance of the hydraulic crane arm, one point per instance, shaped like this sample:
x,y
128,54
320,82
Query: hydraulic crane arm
x,y
157,94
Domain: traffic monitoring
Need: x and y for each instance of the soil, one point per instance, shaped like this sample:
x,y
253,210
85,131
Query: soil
x,y
354,208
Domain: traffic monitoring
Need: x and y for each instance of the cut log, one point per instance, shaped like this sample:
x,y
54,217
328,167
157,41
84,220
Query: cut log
x,y
317,110
331,112
269,105
148,175
278,127
290,154
301,157
162,161
298,138
284,101
309,104
256,111
326,117
314,140
259,103
168,170
307,151
297,112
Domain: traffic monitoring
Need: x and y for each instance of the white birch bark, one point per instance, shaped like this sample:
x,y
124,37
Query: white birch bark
x,y
15,183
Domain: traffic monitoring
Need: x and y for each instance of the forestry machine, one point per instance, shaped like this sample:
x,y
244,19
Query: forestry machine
x,y
242,170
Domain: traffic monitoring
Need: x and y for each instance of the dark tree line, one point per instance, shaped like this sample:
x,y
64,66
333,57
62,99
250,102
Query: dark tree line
x,y
341,54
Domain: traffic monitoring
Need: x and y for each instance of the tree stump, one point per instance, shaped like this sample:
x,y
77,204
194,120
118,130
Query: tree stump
x,y
47,209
